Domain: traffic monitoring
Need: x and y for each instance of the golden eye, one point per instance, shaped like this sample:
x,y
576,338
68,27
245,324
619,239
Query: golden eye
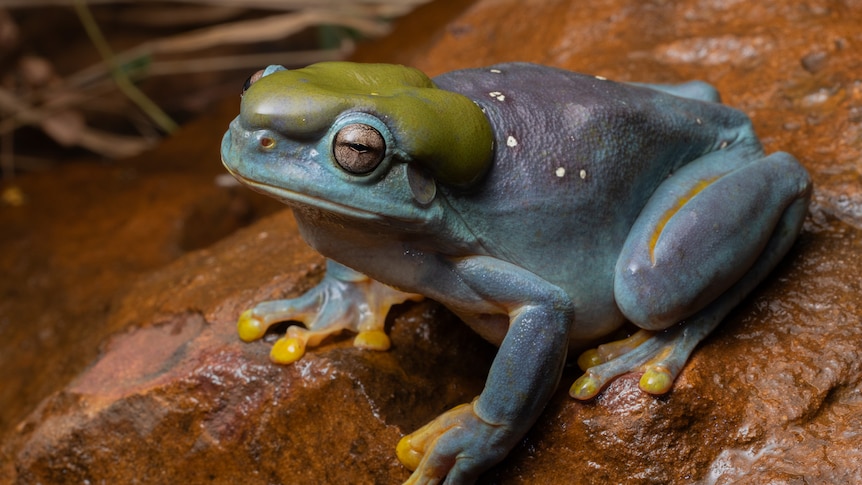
x,y
267,142
358,148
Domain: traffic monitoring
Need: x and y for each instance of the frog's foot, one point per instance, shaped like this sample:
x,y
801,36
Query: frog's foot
x,y
343,300
659,355
611,350
291,346
457,445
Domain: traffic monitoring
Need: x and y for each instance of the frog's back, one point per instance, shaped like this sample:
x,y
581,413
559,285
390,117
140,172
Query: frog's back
x,y
576,159
546,118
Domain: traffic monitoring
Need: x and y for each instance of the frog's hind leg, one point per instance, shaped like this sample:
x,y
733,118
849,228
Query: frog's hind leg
x,y
699,247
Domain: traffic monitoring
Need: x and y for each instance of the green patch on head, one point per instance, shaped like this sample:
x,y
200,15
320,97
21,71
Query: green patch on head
x,y
444,132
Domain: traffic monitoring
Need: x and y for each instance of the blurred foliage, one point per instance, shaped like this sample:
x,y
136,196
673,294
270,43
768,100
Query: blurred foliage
x,y
111,77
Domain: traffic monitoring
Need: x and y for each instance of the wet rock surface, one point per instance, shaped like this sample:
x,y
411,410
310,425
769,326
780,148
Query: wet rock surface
x,y
173,396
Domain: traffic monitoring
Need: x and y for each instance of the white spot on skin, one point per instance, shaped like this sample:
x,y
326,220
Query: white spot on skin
x,y
498,95
723,145
601,78
511,141
698,121
560,172
496,71
583,174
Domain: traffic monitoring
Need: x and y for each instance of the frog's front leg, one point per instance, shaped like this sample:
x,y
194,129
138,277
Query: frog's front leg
x,y
467,440
343,300
710,233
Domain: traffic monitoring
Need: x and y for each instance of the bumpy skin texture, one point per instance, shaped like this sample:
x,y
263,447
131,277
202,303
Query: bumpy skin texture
x,y
573,204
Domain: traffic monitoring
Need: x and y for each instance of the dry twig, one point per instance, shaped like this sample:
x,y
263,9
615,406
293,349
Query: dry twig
x,y
58,107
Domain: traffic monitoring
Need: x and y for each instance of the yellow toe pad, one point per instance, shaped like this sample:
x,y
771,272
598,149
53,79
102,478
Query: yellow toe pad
x,y
372,340
287,350
250,327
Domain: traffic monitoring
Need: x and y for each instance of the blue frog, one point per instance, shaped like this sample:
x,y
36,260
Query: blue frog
x,y
544,207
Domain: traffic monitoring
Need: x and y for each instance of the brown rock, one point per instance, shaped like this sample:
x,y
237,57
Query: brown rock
x,y
181,400
772,397
86,232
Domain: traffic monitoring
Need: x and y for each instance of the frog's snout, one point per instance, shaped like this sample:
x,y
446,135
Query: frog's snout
x,y
226,145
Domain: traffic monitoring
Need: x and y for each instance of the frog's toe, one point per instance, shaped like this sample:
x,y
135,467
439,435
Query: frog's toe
x,y
586,387
372,340
660,357
657,379
291,346
611,350
411,450
250,326
455,446
589,358
287,350
409,453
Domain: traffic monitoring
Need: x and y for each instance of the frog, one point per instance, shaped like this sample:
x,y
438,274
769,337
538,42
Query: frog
x,y
547,209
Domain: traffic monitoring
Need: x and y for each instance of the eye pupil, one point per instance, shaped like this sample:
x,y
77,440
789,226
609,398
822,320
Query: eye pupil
x,y
267,142
358,148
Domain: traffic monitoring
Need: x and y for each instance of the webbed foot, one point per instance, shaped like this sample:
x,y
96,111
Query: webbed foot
x,y
343,300
659,355
456,446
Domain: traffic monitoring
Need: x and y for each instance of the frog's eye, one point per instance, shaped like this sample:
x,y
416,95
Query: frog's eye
x,y
358,148
251,80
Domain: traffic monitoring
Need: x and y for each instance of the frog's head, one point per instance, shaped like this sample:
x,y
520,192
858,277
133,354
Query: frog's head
x,y
367,141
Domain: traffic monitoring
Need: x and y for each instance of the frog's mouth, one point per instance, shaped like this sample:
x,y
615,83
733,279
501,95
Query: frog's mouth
x,y
297,199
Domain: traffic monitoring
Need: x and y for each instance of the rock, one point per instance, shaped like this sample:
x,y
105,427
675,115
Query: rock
x,y
85,232
179,399
772,397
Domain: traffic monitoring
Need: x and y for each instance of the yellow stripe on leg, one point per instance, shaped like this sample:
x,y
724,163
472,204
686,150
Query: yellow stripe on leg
x,y
698,187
